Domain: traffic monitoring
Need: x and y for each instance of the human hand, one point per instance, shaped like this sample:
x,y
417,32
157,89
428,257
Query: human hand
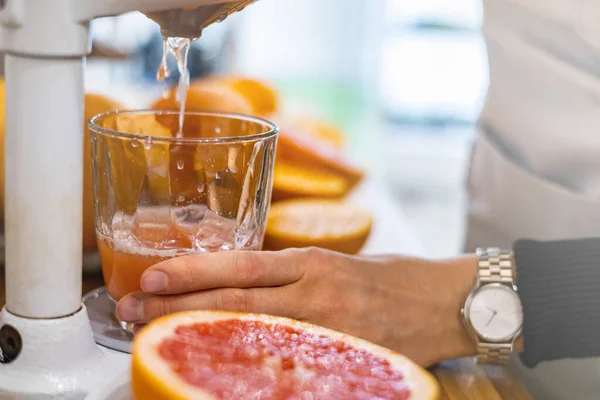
x,y
405,304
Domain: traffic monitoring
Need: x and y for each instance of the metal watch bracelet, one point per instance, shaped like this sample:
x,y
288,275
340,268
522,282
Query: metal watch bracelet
x,y
495,266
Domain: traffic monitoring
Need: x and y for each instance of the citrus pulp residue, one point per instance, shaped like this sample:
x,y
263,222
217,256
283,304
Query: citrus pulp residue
x,y
244,360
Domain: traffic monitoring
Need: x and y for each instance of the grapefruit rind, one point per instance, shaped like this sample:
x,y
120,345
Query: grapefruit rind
x,y
152,377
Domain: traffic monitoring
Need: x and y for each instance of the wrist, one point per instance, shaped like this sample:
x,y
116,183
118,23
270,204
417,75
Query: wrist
x,y
454,280
464,273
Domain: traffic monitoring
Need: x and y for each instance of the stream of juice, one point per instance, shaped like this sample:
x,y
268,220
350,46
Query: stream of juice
x,y
179,48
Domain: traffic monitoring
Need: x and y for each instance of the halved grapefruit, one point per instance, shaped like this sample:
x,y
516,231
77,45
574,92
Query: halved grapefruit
x,y
290,182
328,224
299,149
312,128
261,95
208,95
210,355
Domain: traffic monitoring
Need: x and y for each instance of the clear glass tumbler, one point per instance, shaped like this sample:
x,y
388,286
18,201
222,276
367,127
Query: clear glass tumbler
x,y
160,194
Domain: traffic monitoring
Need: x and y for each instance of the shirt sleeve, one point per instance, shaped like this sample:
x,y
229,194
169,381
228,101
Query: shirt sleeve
x,y
559,286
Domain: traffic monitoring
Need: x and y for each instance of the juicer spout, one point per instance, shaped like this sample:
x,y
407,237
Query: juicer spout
x,y
177,18
189,23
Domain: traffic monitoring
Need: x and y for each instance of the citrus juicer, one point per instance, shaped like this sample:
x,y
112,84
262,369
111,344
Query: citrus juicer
x,y
47,349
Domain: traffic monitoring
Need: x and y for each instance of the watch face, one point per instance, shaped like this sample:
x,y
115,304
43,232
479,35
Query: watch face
x,y
495,313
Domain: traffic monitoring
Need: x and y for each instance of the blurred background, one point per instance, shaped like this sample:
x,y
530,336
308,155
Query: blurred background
x,y
403,79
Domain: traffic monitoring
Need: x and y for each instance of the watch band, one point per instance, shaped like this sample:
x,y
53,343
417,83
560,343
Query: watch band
x,y
494,353
495,266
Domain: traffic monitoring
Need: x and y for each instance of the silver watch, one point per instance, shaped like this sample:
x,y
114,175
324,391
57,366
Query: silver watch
x,y
493,313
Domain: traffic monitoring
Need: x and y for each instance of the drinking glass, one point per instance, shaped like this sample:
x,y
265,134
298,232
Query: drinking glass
x,y
161,194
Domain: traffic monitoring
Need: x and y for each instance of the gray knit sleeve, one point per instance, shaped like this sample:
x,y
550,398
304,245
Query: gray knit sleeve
x,y
559,284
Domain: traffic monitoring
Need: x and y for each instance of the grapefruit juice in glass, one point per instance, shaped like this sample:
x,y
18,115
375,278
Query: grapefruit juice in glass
x,y
161,194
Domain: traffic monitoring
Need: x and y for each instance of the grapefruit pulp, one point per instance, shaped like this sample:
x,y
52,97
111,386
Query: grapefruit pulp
x,y
219,355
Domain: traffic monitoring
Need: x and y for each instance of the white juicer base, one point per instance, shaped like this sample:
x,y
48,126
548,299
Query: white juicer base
x,y
59,359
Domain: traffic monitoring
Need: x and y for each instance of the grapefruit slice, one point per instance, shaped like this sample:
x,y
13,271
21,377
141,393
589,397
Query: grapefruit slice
x,y
262,96
296,148
293,182
327,224
208,95
210,355
313,128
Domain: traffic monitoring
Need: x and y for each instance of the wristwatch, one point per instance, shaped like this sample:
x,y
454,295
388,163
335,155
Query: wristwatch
x,y
493,313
